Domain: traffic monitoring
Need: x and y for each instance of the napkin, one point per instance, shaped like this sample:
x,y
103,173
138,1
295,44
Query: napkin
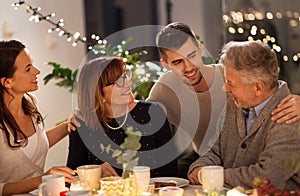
x,y
234,192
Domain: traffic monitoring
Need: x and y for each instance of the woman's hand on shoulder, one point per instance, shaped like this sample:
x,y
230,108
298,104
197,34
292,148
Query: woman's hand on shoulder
x,y
62,170
72,122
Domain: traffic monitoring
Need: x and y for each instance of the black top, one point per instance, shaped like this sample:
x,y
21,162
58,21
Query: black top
x,y
157,149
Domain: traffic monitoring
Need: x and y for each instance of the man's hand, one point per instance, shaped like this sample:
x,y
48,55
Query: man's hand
x,y
288,110
107,170
193,176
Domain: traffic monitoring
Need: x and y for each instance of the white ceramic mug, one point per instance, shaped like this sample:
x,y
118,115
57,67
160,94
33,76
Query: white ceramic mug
x,y
90,174
52,185
211,177
142,175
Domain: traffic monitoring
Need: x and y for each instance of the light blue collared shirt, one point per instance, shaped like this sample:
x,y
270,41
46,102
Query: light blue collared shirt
x,y
254,112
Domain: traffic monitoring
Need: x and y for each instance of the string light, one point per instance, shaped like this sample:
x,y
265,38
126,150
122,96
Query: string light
x,y
37,16
236,22
100,47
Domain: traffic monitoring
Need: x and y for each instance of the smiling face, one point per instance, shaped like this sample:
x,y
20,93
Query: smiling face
x,y
243,95
25,77
116,95
185,63
98,91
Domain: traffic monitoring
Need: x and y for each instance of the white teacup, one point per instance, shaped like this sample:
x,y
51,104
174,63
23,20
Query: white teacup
x,y
142,175
52,185
211,177
90,174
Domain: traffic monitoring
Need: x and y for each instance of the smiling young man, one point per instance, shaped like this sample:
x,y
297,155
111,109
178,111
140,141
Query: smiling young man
x,y
250,144
185,92
191,93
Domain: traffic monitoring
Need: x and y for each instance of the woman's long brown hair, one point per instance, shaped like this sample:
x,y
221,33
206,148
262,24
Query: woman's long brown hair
x,y
9,50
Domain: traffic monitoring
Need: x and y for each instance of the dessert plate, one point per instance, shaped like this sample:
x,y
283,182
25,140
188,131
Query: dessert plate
x,y
180,182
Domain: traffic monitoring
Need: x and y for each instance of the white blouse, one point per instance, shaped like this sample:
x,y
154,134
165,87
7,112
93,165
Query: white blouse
x,y
21,163
31,146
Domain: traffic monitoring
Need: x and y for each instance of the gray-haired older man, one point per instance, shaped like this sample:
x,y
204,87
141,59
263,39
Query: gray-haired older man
x,y
253,145
189,78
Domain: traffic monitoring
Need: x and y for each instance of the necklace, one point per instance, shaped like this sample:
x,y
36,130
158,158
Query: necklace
x,y
121,125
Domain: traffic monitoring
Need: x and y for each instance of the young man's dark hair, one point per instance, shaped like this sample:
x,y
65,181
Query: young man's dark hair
x,y
173,36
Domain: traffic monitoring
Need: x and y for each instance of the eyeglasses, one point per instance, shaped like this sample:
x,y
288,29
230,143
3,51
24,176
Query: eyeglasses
x,y
120,82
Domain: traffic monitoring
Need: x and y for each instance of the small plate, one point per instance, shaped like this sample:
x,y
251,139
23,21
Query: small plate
x,y
180,182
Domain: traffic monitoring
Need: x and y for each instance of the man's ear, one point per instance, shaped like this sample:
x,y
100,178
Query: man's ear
x,y
6,82
166,65
200,46
259,88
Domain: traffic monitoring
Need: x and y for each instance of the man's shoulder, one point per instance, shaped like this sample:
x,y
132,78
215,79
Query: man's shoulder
x,y
220,69
165,82
167,76
281,92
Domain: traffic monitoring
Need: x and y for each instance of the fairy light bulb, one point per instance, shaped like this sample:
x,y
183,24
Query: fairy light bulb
x,y
69,39
225,18
240,30
295,58
269,15
61,33
231,30
76,35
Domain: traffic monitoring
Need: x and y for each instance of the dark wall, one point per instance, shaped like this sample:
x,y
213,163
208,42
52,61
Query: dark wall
x,y
105,17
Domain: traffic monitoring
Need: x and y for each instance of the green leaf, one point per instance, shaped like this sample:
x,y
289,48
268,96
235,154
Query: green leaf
x,y
74,75
108,148
208,60
47,78
61,122
133,162
116,153
54,64
102,147
65,76
143,90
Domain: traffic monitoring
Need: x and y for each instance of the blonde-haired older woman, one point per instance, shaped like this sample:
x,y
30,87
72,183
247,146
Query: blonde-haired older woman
x,y
106,102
